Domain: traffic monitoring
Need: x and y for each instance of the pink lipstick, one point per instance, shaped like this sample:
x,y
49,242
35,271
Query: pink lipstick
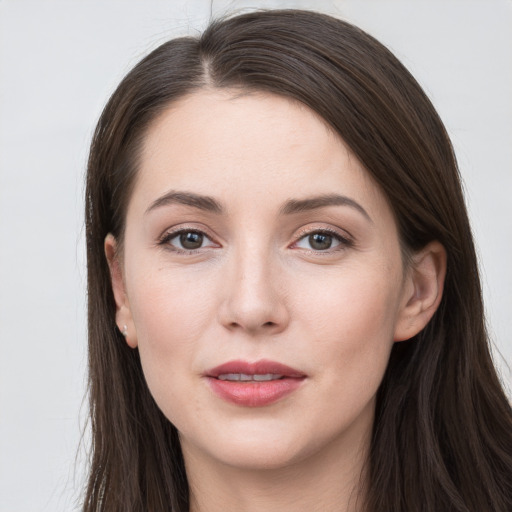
x,y
253,384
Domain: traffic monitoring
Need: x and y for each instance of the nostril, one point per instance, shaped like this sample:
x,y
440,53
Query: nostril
x,y
266,325
253,316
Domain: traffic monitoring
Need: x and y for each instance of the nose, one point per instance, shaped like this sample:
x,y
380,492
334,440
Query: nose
x,y
254,298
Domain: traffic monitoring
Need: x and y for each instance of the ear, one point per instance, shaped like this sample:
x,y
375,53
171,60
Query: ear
x,y
422,291
124,318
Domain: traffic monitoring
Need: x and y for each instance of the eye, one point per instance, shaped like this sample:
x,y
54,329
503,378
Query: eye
x,y
187,240
319,241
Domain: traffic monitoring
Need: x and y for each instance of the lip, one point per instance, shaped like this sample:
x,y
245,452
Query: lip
x,y
254,393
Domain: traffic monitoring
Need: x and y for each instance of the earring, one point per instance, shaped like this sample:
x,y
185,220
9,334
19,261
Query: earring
x,y
124,332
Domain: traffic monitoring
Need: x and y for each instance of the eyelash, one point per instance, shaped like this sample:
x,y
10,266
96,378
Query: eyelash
x,y
343,242
171,235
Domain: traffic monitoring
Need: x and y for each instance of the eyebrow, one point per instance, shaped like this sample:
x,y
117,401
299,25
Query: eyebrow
x,y
200,202
313,203
209,204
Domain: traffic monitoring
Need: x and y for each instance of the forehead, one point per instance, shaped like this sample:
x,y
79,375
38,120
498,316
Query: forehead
x,y
235,145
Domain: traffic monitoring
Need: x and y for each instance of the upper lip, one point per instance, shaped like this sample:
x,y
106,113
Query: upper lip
x,y
261,367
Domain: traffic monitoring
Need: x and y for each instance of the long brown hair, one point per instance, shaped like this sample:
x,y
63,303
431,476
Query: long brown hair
x,y
442,438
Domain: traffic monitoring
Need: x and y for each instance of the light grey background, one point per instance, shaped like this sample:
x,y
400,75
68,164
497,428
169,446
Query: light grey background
x,y
59,61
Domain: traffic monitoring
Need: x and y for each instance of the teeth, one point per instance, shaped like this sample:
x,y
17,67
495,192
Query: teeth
x,y
245,377
230,376
267,376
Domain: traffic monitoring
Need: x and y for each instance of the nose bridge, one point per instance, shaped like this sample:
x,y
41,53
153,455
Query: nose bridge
x,y
253,299
253,263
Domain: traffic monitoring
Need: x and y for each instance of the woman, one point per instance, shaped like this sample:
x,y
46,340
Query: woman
x,y
284,304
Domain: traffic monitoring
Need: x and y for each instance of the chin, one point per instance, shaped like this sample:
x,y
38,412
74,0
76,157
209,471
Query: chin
x,y
251,445
255,455
261,445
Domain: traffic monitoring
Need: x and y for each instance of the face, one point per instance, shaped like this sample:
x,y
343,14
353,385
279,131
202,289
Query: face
x,y
257,247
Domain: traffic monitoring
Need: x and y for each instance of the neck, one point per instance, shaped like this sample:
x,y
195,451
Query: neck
x,y
330,481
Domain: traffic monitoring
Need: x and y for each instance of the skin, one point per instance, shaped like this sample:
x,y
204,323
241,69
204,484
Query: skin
x,y
257,289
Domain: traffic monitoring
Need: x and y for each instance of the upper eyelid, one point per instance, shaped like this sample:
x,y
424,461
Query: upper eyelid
x,y
342,234
175,231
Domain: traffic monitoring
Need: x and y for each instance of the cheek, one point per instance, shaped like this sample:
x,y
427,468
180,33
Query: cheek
x,y
171,311
353,299
168,302
351,319
346,330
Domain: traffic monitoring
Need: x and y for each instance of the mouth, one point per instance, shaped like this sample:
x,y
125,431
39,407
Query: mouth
x,y
244,377
254,384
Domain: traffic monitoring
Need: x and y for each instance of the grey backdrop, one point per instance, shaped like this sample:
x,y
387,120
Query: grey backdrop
x,y
59,61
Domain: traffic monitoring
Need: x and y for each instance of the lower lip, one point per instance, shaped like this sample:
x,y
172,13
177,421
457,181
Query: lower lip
x,y
254,394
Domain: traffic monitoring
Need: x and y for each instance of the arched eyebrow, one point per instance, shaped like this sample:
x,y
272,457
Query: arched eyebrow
x,y
209,204
198,201
313,203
